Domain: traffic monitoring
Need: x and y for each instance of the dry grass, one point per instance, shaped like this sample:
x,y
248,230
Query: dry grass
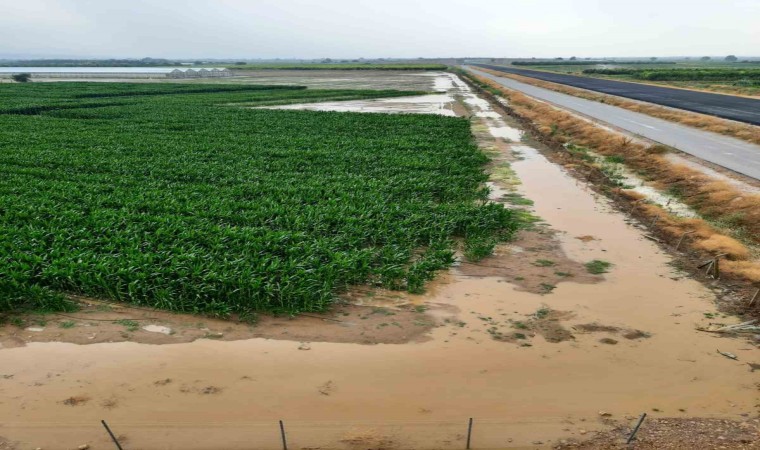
x,y
718,243
745,132
737,213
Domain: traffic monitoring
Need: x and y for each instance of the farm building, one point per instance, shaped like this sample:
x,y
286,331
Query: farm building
x,y
115,72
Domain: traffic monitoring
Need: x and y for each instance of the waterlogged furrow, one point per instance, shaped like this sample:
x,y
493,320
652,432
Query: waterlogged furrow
x,y
176,199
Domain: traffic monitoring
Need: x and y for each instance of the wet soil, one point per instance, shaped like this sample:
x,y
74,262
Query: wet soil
x,y
523,361
674,433
98,322
533,262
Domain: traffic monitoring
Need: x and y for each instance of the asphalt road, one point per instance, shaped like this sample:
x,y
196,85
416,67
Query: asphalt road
x,y
737,155
731,107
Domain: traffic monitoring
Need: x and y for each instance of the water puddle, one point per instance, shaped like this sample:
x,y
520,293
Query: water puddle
x,y
506,132
630,181
425,104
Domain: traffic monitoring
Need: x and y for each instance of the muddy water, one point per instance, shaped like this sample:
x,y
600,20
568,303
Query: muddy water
x,y
424,104
210,394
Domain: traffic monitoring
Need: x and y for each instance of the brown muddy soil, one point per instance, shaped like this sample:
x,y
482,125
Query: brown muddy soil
x,y
676,433
534,262
99,322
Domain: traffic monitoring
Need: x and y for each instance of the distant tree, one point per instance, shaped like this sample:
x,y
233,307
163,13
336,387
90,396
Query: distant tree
x,y
240,63
327,60
198,63
705,58
731,58
653,58
560,59
573,58
21,77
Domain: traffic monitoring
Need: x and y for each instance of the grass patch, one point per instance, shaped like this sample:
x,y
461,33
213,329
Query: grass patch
x,y
598,266
542,313
67,324
131,325
543,263
516,199
547,287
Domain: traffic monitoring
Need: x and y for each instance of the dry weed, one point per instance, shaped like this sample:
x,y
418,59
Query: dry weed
x,y
734,211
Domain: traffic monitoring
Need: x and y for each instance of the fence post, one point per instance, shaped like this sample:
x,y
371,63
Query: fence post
x,y
636,428
469,433
282,433
754,297
115,441
682,238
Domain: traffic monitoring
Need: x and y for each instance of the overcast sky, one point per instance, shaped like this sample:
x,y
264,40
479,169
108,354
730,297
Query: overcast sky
x,y
377,28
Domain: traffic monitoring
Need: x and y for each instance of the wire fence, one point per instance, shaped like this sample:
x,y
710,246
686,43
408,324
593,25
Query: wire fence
x,y
468,433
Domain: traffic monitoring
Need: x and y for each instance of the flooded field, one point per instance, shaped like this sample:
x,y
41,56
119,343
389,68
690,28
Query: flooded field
x,y
530,343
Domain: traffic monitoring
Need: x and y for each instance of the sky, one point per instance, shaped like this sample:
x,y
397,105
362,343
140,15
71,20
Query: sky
x,y
377,28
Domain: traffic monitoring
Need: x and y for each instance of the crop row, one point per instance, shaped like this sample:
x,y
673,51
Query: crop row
x,y
184,202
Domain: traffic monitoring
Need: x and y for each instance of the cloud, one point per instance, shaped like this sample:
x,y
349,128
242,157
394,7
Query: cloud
x,y
361,28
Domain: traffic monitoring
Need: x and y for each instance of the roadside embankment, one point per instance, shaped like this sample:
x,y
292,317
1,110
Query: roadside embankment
x,y
730,219
745,132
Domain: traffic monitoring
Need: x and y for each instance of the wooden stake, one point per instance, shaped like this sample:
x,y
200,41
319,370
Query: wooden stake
x,y
636,428
754,297
709,267
682,238
469,433
115,441
716,265
282,433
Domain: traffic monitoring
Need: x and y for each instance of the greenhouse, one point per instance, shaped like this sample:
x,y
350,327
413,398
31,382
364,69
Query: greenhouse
x,y
116,72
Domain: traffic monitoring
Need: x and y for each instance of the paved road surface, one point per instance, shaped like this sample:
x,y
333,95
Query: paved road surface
x,y
727,106
739,156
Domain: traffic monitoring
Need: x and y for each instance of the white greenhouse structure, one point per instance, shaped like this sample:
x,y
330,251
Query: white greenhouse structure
x,y
116,72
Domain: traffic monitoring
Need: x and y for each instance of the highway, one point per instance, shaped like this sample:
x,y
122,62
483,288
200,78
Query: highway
x,y
734,154
731,107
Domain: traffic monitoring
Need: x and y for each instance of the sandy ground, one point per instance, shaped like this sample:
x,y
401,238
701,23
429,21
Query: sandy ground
x,y
537,350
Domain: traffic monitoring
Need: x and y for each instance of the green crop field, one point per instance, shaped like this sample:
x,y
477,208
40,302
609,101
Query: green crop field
x,y
177,197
